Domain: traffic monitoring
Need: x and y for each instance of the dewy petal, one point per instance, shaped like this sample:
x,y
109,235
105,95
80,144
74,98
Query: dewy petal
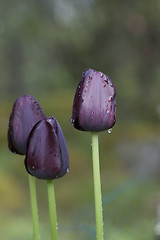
x,y
76,104
47,155
96,104
63,151
25,114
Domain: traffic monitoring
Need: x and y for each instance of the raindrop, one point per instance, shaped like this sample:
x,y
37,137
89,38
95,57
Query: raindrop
x,y
110,99
72,120
102,75
82,100
67,170
106,80
110,130
33,167
90,77
92,113
49,120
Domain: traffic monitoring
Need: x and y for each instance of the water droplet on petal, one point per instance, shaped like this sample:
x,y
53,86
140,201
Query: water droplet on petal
x,y
49,120
110,130
72,120
82,100
106,80
110,99
67,170
90,77
33,167
92,113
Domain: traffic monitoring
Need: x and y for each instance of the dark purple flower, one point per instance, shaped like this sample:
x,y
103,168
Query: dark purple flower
x,y
25,114
94,107
47,154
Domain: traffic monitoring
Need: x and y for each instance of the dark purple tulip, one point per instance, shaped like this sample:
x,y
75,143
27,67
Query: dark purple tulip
x,y
47,154
94,107
25,114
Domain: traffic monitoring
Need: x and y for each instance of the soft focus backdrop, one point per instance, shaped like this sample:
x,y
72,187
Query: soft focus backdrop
x,y
45,45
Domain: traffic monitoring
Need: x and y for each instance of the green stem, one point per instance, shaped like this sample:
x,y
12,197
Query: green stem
x,y
97,187
52,210
34,207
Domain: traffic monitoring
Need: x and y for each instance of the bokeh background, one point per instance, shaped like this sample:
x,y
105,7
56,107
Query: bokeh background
x,y
45,45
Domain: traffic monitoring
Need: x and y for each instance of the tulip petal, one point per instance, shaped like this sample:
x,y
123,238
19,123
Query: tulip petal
x,y
76,104
47,154
94,108
25,114
63,151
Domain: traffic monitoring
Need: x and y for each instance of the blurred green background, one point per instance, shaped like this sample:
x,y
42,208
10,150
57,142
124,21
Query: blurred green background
x,y
45,45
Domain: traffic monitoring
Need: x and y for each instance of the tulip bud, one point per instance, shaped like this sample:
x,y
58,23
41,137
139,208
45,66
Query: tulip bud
x,y
94,107
47,154
25,114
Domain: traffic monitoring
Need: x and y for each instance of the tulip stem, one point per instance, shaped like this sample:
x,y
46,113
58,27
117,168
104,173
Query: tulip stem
x,y
52,210
34,208
97,187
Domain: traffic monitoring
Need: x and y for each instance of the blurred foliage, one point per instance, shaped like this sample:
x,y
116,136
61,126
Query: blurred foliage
x,y
45,46
129,200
